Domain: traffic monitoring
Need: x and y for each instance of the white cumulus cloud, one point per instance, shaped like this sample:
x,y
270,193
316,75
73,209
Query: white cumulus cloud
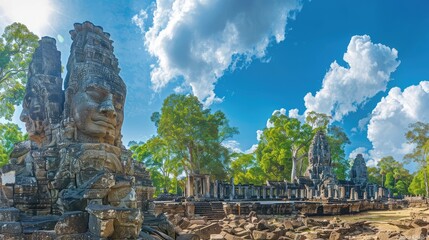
x,y
359,150
391,117
140,19
200,39
344,89
232,145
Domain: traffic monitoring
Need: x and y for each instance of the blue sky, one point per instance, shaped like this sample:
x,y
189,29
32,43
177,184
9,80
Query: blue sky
x,y
364,62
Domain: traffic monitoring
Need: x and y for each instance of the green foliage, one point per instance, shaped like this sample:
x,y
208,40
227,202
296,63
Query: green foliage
x,y
10,134
392,172
401,188
245,169
374,175
160,162
283,146
188,141
194,135
318,121
418,135
337,140
417,186
390,181
17,45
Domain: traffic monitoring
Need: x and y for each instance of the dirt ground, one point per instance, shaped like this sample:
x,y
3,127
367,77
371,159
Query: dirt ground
x,y
378,216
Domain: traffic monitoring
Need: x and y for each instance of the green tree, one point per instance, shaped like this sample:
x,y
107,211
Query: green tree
x,y
390,181
392,172
374,175
17,45
418,135
318,121
245,169
401,188
10,134
386,165
417,186
156,155
195,135
337,140
283,146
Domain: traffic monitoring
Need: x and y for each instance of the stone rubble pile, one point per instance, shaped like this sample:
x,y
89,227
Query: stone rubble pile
x,y
298,227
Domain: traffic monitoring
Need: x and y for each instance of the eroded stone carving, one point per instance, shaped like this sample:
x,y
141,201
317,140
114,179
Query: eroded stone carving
x,y
75,164
359,172
319,158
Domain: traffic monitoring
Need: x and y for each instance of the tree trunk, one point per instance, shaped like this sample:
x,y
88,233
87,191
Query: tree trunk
x,y
191,159
426,182
382,180
293,172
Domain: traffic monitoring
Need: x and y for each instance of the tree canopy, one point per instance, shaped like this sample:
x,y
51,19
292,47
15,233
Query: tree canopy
x,y
17,45
283,146
10,134
189,140
418,135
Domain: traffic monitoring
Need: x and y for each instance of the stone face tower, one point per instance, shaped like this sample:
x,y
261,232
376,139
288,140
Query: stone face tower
x,y
74,176
319,158
359,172
43,100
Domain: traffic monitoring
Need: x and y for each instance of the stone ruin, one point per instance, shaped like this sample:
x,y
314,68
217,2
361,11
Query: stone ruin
x,y
318,184
74,179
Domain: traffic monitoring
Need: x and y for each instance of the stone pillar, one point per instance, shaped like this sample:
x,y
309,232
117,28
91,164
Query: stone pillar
x,y
258,192
352,194
302,193
221,189
271,193
190,209
380,192
190,186
356,195
309,193
246,192
342,192
215,190
289,193
330,191
365,195
232,195
207,186
264,192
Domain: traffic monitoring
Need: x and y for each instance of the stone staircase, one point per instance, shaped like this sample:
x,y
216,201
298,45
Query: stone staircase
x,y
211,210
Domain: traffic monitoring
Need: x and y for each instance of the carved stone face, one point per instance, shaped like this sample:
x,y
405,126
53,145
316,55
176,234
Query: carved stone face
x,y
97,109
33,114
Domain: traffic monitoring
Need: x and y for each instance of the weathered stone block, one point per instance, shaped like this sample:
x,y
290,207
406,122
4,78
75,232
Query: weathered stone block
x,y
101,211
72,222
128,223
216,237
102,228
9,214
9,236
95,193
259,235
43,235
10,227
206,231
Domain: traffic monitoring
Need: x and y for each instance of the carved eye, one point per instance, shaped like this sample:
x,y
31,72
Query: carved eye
x,y
118,103
95,94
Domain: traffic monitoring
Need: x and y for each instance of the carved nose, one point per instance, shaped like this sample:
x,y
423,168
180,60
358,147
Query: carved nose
x,y
23,116
107,107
